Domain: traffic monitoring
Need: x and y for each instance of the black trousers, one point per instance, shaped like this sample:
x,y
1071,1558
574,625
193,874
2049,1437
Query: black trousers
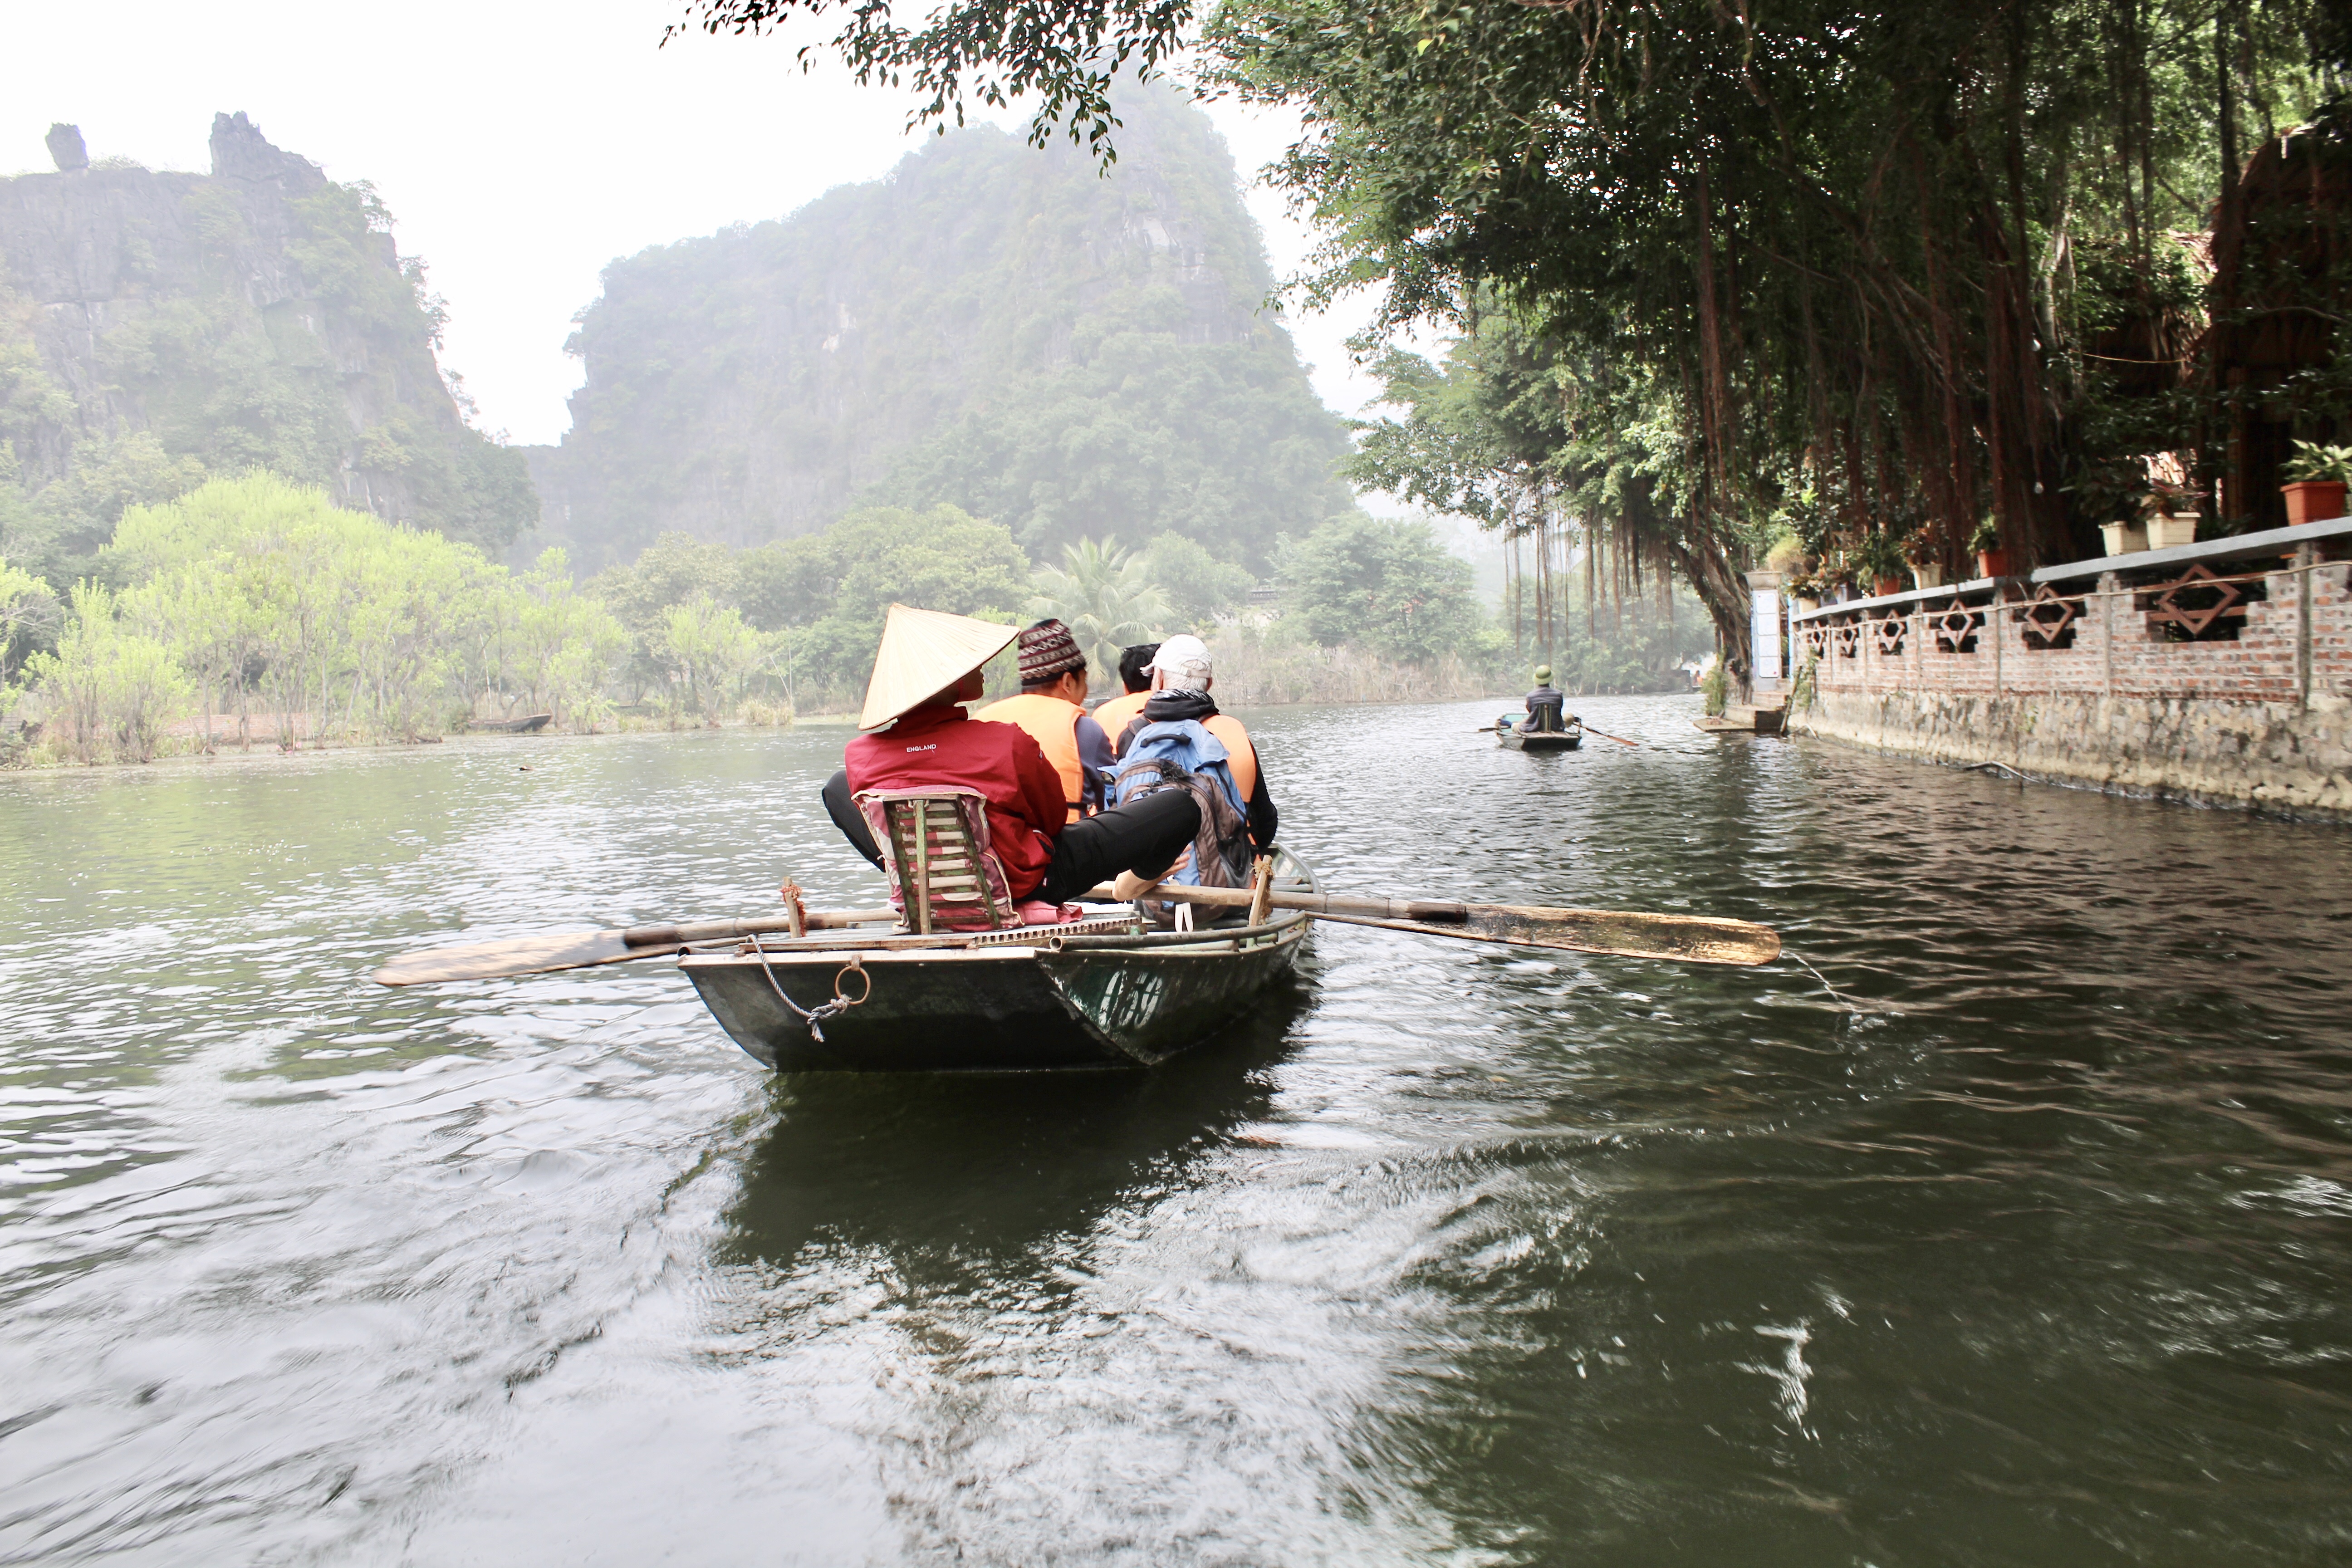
x,y
1144,837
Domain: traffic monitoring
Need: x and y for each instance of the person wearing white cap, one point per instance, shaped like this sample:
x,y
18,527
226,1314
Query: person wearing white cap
x,y
1182,675
919,737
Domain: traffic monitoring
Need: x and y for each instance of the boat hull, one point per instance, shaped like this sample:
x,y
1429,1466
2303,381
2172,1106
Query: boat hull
x,y
1539,741
1061,1004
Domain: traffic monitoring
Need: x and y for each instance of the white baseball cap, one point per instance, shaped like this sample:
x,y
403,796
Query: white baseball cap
x,y
1184,659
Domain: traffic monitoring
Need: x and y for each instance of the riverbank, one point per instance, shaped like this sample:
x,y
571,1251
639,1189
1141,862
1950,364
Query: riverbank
x,y
2266,756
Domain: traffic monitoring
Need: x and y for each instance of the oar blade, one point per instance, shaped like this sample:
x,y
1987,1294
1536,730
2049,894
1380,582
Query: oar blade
x,y
1679,939
536,954
1676,939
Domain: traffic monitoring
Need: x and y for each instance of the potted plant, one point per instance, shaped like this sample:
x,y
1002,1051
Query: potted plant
x,y
1881,560
1804,592
2115,489
2169,513
1992,561
1923,559
2317,478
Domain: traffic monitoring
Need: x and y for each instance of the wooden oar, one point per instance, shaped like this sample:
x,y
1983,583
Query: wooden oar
x,y
585,948
1685,939
1491,728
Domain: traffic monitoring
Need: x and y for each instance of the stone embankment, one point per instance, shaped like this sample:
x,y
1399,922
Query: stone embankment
x,y
2219,672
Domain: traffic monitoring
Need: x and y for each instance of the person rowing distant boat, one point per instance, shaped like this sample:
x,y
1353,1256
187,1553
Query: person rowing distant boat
x,y
1182,675
1135,674
919,737
1547,707
1052,690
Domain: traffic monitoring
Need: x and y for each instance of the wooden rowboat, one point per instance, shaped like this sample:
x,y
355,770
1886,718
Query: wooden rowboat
x,y
1513,737
1103,992
530,726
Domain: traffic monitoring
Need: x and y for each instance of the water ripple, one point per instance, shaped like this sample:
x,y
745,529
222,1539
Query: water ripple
x,y
2023,1241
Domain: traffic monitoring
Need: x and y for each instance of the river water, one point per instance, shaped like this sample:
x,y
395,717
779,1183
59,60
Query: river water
x,y
2029,1243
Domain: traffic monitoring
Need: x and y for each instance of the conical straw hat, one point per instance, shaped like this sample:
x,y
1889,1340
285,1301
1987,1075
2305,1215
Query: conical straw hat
x,y
924,652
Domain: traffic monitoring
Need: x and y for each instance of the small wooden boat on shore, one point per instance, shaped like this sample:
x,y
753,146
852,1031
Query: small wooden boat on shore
x,y
1104,991
530,726
1518,738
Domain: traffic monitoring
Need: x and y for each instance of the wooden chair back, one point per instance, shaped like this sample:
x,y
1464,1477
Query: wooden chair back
x,y
943,873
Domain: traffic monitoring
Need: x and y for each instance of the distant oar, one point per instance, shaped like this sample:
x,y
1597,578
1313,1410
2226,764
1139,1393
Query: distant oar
x,y
1682,939
1490,728
585,948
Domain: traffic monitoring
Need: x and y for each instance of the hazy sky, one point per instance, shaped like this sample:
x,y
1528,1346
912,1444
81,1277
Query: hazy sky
x,y
521,144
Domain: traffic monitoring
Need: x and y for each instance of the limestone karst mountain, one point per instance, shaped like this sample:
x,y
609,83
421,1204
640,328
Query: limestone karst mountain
x,y
156,327
998,328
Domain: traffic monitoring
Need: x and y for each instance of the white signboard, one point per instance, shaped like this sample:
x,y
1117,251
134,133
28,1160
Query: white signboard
x,y
1764,631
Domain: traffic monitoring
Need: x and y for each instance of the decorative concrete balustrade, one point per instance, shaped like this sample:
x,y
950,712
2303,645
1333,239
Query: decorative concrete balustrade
x,y
2217,672
2263,616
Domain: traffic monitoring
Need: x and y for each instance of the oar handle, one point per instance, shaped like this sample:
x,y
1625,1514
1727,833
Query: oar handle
x,y
1313,903
721,931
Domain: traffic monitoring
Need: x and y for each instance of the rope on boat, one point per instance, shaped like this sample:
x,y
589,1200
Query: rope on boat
x,y
841,1002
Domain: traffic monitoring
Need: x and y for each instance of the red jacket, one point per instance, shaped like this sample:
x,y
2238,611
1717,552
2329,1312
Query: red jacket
x,y
940,744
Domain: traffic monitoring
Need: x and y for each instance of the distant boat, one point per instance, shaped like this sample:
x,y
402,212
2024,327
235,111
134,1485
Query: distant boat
x,y
1518,738
530,726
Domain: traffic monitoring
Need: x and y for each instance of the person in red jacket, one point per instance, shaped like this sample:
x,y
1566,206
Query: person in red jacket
x,y
919,737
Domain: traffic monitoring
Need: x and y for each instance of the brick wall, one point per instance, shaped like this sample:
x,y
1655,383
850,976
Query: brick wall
x,y
2117,647
2262,718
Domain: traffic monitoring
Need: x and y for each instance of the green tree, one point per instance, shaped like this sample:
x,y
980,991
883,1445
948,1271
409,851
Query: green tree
x,y
1387,587
673,570
567,644
1105,596
942,559
1197,586
115,687
334,622
712,649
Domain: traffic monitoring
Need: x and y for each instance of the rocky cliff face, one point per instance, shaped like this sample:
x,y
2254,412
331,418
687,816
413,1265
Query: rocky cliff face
x,y
157,327
991,326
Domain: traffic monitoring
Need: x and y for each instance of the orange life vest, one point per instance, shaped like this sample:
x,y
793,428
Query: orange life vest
x,y
1054,725
1244,760
1119,712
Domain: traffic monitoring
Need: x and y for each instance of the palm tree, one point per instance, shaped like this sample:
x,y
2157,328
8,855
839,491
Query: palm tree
x,y
1104,595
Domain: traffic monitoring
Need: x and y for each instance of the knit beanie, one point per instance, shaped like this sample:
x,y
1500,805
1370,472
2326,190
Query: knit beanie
x,y
1047,649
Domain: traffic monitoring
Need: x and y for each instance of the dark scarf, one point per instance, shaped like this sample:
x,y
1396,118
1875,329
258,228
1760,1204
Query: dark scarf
x,y
1175,707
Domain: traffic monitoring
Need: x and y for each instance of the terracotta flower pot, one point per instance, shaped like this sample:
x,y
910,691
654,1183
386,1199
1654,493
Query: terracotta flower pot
x,y
2313,500
1889,585
1994,563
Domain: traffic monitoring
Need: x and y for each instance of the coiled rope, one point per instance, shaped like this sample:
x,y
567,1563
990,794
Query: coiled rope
x,y
841,1002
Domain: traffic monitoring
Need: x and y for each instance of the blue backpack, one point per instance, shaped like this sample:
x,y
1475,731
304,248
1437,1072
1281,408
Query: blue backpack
x,y
1183,755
